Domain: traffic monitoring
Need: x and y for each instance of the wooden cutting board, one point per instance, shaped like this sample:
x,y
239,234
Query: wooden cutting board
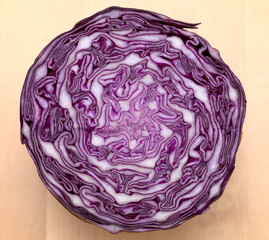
x,y
238,29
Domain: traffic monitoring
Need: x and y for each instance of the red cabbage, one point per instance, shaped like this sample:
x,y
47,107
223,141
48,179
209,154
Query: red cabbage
x,y
132,121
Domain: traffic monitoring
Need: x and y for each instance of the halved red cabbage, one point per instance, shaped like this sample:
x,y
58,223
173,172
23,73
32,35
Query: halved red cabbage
x,y
132,121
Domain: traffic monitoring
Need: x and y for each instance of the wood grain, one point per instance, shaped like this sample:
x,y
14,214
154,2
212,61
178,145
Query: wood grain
x,y
239,29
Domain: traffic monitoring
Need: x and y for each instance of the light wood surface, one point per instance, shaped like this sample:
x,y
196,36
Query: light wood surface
x,y
237,28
